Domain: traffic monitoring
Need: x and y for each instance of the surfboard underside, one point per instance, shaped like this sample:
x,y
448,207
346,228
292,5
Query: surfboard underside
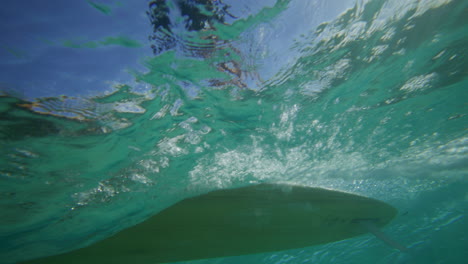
x,y
247,220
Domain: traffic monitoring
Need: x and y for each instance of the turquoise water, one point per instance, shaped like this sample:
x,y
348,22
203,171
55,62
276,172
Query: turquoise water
x,y
373,102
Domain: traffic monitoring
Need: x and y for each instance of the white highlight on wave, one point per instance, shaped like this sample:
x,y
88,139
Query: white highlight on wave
x,y
419,83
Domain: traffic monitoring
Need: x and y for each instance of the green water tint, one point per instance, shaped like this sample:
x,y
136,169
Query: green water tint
x,y
240,221
100,7
374,108
108,41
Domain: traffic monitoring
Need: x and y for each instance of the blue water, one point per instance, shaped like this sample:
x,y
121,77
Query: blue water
x,y
107,120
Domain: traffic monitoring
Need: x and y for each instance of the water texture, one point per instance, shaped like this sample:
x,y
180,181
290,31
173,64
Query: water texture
x,y
368,97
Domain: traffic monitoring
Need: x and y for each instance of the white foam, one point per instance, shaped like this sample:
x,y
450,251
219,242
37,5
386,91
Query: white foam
x,y
419,83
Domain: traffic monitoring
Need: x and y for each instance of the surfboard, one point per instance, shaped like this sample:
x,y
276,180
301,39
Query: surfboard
x,y
229,222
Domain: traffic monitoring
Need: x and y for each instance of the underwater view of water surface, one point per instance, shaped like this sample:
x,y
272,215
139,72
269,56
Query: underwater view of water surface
x,y
111,111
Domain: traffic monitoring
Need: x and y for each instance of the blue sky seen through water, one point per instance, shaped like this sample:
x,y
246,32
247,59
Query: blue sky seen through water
x,y
85,48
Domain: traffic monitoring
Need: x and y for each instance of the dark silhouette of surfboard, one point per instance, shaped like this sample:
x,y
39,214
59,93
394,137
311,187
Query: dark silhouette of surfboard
x,y
247,220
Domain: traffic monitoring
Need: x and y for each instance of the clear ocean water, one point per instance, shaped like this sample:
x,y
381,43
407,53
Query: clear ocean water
x,y
109,113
